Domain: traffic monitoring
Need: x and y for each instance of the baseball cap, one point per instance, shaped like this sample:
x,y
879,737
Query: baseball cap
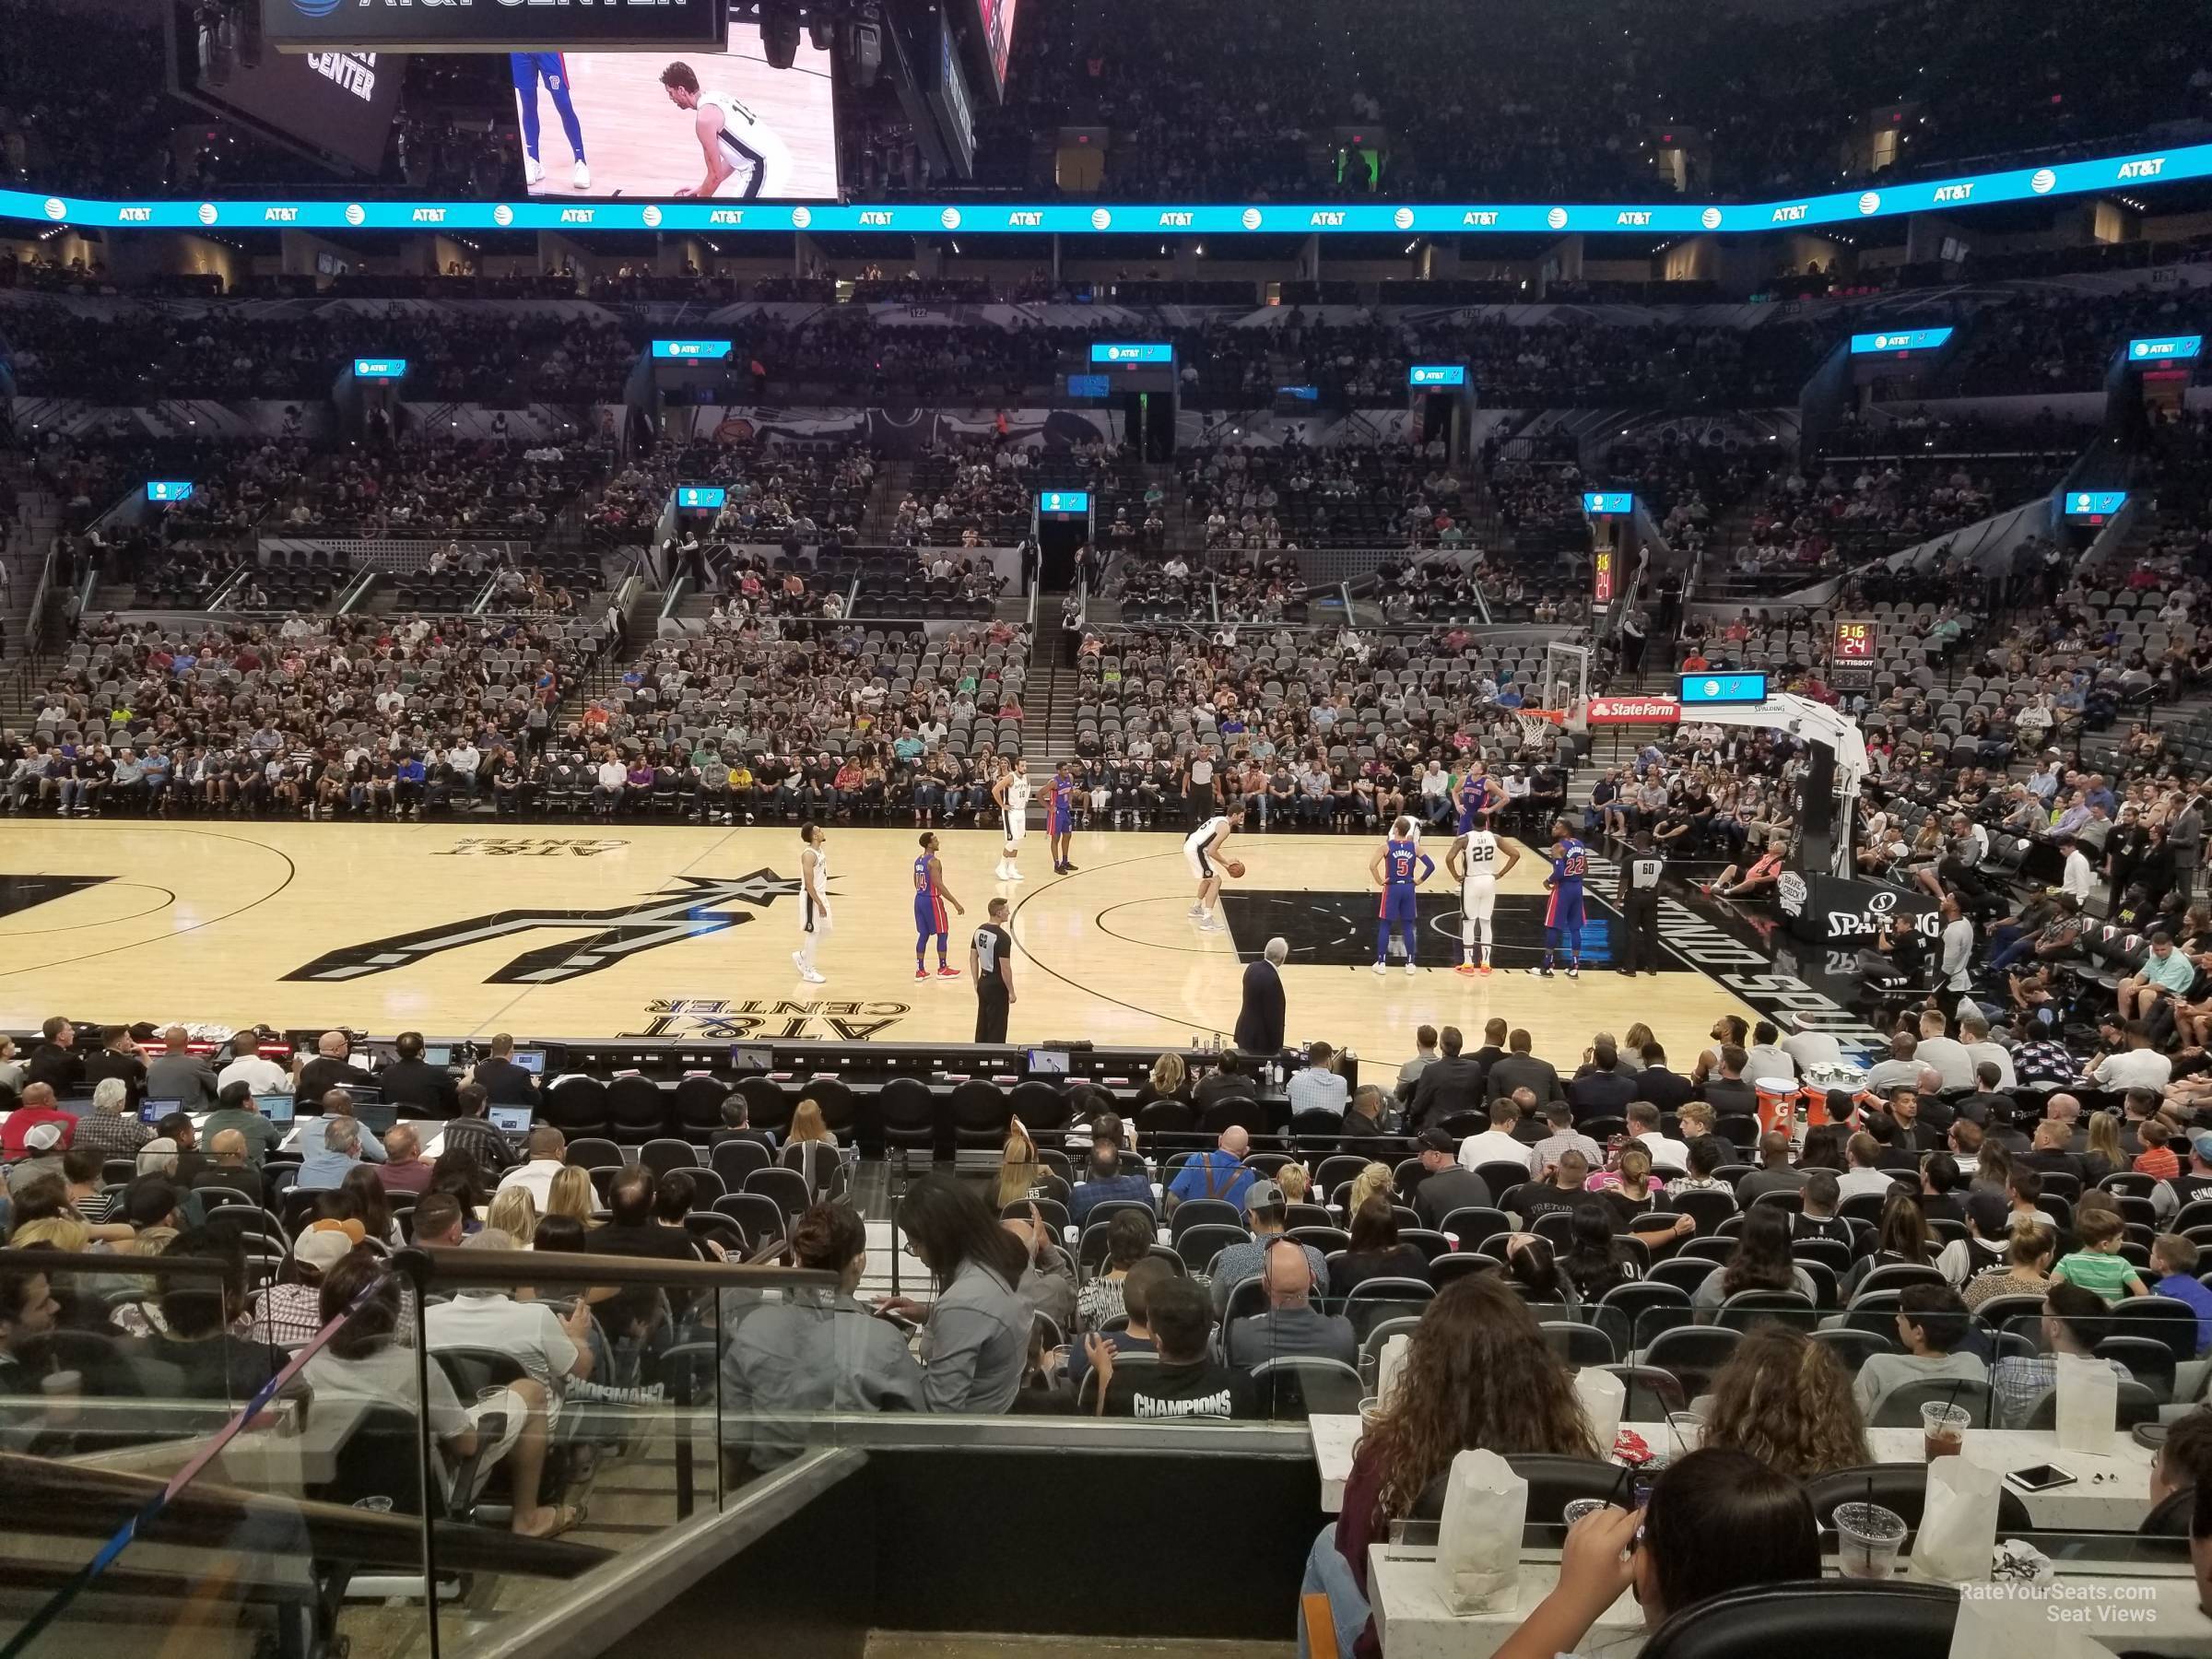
x,y
2202,1146
1987,1211
1433,1139
43,1137
326,1243
1266,1195
150,1202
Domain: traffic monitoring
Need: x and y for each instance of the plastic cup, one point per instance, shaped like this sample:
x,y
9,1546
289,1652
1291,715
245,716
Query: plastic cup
x,y
61,1383
1582,1506
1060,1357
1943,1430
375,1506
1867,1539
1371,1411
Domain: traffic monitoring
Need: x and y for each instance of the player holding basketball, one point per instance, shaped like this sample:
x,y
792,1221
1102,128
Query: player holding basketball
x,y
1012,793
814,902
527,69
1401,867
1206,849
729,134
1060,819
1563,914
1473,862
931,897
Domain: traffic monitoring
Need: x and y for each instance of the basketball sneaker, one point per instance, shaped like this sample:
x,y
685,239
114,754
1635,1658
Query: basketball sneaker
x,y
533,170
583,175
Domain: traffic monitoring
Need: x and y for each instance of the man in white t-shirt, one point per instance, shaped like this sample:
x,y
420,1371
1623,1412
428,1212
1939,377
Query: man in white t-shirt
x,y
263,1076
2137,1066
548,1153
1496,1144
1946,1054
551,1349
1810,1048
1767,1057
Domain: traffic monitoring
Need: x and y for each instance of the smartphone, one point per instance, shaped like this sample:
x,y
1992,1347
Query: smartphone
x,y
2041,1478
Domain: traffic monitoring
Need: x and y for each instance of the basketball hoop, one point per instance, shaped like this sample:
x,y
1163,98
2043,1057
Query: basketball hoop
x,y
1535,723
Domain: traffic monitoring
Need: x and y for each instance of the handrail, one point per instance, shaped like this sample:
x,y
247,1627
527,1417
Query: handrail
x,y
80,1501
482,603
34,624
461,1269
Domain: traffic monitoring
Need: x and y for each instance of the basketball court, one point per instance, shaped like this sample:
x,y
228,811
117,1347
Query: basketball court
x,y
687,932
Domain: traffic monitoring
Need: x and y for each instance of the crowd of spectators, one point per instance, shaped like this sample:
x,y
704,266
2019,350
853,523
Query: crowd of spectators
x,y
315,715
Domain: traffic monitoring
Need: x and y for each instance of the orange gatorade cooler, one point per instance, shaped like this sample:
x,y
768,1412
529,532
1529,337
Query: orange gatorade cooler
x,y
1777,1104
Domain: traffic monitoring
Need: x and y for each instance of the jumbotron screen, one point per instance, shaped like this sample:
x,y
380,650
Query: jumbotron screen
x,y
723,126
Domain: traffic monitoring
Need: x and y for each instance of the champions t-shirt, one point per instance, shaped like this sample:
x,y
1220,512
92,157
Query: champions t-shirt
x,y
1202,1389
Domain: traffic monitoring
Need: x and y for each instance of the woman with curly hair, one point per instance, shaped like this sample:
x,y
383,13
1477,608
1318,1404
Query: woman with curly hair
x,y
1786,1400
1477,1374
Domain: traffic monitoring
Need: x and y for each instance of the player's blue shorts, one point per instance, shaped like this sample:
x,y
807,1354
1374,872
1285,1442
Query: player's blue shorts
x,y
929,915
1398,905
1565,907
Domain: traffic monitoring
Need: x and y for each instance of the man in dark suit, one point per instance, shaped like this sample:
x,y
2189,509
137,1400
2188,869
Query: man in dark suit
x,y
1726,1090
329,1069
1599,1090
1493,1046
504,1083
1520,1069
1450,1083
1446,1186
1261,1020
411,1083
1975,1108
1664,1089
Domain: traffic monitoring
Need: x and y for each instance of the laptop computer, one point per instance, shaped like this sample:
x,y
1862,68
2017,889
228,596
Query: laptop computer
x,y
437,1053
513,1122
153,1111
532,1061
277,1108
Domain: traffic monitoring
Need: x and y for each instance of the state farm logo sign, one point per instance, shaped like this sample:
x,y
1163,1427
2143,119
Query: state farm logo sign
x,y
1634,710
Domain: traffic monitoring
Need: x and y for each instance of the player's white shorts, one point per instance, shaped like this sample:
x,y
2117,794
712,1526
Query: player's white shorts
x,y
1202,868
814,916
1018,826
1477,900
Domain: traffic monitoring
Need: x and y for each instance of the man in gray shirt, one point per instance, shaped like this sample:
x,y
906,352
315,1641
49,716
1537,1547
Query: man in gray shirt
x,y
180,1076
1774,1173
1902,1070
1291,1328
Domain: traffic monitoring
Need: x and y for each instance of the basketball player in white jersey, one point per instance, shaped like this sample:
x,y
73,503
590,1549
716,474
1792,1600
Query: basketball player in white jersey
x,y
1473,862
1012,793
730,136
814,902
1206,849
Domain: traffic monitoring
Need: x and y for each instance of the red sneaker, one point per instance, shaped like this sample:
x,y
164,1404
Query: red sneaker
x,y
948,972
920,973
1466,967
1484,969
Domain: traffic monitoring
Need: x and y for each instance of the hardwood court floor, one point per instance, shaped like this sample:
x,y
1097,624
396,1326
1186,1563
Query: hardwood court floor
x,y
660,930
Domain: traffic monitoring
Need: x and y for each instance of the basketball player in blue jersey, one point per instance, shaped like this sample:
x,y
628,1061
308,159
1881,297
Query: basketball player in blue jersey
x,y
1060,818
1473,796
1400,867
527,69
931,897
1563,913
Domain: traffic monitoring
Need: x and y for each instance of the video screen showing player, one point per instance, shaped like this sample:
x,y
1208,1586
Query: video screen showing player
x,y
714,125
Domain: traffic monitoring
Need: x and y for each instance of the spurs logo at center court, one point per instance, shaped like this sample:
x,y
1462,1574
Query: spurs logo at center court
x,y
697,906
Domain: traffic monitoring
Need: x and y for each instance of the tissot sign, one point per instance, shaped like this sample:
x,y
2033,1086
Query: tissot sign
x,y
493,25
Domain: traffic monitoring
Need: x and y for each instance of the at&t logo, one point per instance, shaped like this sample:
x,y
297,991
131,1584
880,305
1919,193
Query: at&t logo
x,y
1556,218
1710,218
1251,221
355,214
209,213
314,8
652,216
1871,202
2042,181
950,218
56,209
801,219
502,215
1403,218
1101,220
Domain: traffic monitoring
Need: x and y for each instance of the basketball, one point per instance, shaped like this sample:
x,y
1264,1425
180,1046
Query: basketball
x,y
1233,867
